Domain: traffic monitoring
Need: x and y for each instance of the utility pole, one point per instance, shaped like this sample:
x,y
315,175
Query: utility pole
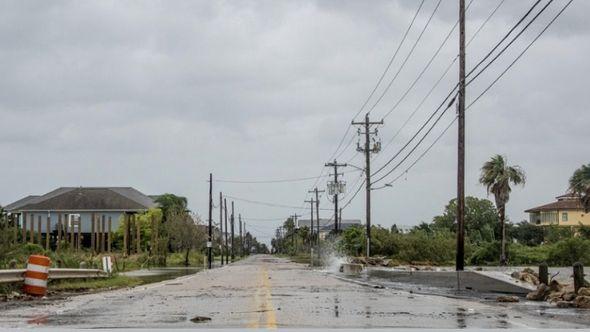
x,y
226,231
336,189
317,218
293,239
210,238
311,201
461,144
233,253
241,237
221,226
367,149
245,246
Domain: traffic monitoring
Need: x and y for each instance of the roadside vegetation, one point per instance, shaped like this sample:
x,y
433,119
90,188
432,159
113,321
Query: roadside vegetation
x,y
170,236
433,243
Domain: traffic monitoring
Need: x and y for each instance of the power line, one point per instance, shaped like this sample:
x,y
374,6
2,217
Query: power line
x,y
485,21
399,46
267,203
423,100
269,181
505,36
428,65
508,45
275,180
478,97
372,92
407,57
521,54
419,142
264,219
419,157
456,86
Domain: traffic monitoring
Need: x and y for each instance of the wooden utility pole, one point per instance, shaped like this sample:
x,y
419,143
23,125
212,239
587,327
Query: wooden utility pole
x,y
226,231
317,216
24,228
125,234
246,246
233,254
210,237
66,227
79,239
59,230
32,235
137,225
311,202
39,231
221,226
336,190
459,262
367,150
102,232
47,232
92,228
110,239
241,236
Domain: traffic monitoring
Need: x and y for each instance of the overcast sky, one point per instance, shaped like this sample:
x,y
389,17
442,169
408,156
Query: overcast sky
x,y
157,94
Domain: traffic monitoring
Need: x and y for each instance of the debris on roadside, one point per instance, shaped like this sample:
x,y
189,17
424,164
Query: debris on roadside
x,y
200,319
507,298
526,275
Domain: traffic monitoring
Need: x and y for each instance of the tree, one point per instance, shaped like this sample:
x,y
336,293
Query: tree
x,y
580,185
481,219
353,240
171,204
527,233
184,233
497,176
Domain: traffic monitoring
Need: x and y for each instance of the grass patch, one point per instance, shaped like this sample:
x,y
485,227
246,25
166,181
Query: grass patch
x,y
302,259
116,281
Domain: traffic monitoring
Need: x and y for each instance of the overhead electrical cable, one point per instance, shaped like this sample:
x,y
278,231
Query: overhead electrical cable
x,y
267,203
456,85
481,94
406,58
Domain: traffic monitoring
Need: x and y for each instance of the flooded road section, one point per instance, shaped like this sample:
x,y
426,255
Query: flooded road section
x,y
266,292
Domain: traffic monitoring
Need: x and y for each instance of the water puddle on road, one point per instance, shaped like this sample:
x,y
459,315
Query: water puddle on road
x,y
149,276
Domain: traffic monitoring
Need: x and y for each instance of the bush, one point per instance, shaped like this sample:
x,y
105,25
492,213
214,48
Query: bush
x,y
525,255
569,251
486,253
419,246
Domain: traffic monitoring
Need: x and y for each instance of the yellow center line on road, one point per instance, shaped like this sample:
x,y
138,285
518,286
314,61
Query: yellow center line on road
x,y
263,302
271,320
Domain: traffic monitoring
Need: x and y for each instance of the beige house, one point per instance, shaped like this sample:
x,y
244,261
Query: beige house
x,y
566,211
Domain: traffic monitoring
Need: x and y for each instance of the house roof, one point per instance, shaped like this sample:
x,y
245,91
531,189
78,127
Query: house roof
x,y
564,202
21,202
85,199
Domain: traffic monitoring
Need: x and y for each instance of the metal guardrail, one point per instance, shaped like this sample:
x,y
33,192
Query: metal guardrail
x,y
16,275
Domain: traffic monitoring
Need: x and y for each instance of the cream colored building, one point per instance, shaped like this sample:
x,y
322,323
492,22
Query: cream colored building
x,y
566,211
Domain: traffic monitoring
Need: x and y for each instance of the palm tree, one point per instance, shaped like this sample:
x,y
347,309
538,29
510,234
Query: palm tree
x,y
496,175
580,185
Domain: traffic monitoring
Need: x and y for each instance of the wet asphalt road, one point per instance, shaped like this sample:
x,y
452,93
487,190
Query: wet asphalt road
x,y
266,292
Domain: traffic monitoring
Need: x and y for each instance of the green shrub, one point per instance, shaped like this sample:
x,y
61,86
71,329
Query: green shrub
x,y
526,255
566,252
486,253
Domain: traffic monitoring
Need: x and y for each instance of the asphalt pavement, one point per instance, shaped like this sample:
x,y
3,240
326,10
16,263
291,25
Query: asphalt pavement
x,y
264,291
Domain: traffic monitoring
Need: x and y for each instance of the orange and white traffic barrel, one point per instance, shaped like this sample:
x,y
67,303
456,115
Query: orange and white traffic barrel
x,y
36,275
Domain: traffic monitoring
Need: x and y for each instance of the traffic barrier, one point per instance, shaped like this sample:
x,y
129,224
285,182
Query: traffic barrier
x,y
36,275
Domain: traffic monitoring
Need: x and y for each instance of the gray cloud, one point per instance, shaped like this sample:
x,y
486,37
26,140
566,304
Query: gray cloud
x,y
156,95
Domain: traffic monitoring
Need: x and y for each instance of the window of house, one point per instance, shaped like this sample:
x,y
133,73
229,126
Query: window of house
x,y
564,216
